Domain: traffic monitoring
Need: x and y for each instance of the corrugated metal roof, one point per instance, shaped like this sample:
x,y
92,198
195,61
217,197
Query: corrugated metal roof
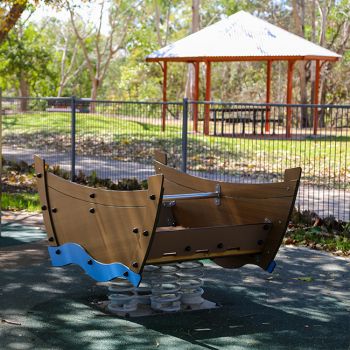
x,y
242,35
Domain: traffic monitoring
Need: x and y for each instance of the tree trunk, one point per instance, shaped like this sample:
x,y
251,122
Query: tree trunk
x,y
299,22
23,92
94,89
191,71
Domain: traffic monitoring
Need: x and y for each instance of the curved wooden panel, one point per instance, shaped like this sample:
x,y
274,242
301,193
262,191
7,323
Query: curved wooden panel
x,y
241,204
41,176
112,226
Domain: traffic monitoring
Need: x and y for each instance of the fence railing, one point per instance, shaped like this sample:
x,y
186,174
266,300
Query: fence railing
x,y
243,142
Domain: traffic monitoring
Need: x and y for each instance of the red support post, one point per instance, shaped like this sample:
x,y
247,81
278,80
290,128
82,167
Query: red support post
x,y
207,97
196,96
268,95
289,97
316,90
164,107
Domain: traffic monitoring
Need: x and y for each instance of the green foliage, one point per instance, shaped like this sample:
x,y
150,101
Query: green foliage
x,y
314,237
25,57
20,201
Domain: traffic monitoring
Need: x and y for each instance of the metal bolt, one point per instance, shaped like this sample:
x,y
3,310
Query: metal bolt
x,y
91,210
54,210
39,175
135,264
126,274
44,207
152,197
51,239
280,222
188,248
220,245
145,233
89,262
92,195
135,230
58,252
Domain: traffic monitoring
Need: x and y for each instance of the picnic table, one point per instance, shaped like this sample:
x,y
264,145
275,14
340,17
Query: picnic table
x,y
254,115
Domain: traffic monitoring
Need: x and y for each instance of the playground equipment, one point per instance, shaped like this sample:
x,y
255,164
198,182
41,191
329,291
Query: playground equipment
x,y
180,217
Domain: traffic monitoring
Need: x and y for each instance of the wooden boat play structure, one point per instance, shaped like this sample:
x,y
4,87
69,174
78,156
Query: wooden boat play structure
x,y
180,217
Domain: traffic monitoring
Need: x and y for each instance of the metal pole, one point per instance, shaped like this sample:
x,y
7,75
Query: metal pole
x,y
184,134
196,195
73,127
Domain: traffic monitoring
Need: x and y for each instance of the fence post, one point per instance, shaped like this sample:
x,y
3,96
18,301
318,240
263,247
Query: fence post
x,y
0,158
184,134
73,134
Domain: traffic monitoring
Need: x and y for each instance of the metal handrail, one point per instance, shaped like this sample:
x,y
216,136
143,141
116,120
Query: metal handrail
x,y
198,195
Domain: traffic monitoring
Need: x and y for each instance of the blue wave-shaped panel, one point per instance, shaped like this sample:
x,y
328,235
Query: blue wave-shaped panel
x,y
73,253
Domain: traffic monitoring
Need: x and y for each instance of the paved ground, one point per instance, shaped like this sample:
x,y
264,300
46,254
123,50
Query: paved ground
x,y
304,304
324,202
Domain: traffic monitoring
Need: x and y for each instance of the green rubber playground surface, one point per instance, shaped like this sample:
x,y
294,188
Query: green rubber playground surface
x,y
304,304
15,234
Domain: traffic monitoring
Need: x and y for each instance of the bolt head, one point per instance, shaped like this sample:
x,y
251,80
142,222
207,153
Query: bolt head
x,y
145,233
51,239
44,207
54,210
91,210
188,248
58,252
135,230
220,245
152,197
135,264
92,195
90,262
39,175
126,274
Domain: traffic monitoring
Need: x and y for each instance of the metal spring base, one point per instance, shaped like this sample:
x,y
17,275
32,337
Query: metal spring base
x,y
164,288
122,297
191,282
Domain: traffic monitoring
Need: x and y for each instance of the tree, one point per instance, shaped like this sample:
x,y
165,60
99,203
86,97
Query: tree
x,y
12,10
104,47
25,61
191,69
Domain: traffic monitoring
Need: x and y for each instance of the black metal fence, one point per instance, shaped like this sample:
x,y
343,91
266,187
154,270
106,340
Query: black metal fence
x,y
240,142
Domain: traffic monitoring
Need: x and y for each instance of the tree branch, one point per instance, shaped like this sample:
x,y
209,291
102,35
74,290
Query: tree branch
x,y
11,18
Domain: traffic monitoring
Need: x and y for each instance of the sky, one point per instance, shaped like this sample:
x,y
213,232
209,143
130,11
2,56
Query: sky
x,y
89,11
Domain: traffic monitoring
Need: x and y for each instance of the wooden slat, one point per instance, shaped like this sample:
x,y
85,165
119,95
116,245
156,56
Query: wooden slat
x,y
97,195
197,243
161,157
188,184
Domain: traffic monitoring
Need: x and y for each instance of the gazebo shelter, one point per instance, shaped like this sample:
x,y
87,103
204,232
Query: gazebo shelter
x,y
242,37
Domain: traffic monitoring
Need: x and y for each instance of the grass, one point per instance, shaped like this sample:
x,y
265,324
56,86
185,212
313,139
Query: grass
x,y
20,201
324,161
